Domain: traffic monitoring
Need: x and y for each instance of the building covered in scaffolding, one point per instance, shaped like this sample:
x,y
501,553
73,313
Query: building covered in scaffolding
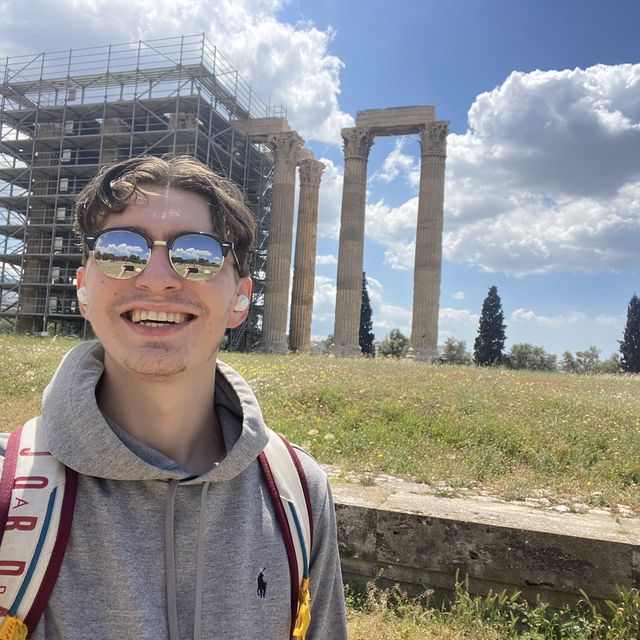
x,y
65,114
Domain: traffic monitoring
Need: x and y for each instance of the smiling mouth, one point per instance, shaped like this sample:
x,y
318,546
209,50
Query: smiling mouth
x,y
156,318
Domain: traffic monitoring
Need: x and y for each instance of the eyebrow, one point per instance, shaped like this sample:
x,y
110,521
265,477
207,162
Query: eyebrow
x,y
147,232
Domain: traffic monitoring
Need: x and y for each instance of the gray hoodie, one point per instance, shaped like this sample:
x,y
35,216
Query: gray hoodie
x,y
157,553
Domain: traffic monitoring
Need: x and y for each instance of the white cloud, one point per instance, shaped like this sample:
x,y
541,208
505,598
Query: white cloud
x,y
461,317
285,63
527,315
398,163
385,316
324,300
388,316
546,179
330,200
460,324
572,330
458,295
123,249
394,228
375,289
569,318
616,322
559,332
323,260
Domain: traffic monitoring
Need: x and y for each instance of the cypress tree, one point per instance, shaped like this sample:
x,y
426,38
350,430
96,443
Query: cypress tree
x,y
630,344
489,344
366,337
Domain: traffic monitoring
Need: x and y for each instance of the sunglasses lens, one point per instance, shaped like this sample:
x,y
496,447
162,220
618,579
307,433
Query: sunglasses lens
x,y
196,257
121,254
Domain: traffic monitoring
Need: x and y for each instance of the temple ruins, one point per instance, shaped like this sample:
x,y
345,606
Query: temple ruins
x,y
288,153
428,256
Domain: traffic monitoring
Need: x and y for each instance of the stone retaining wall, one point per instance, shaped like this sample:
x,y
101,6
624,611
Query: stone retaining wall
x,y
421,541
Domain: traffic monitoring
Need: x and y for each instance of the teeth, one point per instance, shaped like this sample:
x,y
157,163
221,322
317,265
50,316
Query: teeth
x,y
152,318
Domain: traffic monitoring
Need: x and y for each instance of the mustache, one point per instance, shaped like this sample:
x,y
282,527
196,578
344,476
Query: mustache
x,y
175,299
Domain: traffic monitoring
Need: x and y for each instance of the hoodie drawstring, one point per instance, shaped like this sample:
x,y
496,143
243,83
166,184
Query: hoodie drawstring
x,y
197,615
170,561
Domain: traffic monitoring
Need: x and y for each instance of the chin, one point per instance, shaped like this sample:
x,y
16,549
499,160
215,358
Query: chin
x,y
158,366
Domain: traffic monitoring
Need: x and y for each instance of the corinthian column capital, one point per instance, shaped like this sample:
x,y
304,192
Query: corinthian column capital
x,y
286,145
433,138
357,142
311,171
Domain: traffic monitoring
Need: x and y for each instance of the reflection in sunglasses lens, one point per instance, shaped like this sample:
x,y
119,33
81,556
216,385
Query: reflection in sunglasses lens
x,y
124,254
121,254
196,257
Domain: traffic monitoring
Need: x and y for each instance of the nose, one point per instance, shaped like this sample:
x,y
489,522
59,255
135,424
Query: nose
x,y
158,276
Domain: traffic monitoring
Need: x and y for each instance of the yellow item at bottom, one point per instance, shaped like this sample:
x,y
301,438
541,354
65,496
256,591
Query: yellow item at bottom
x,y
13,628
304,611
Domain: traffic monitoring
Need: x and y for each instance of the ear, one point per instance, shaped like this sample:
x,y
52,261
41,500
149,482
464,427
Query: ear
x,y
80,280
237,317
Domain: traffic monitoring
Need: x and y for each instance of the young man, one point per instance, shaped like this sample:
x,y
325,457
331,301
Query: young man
x,y
174,534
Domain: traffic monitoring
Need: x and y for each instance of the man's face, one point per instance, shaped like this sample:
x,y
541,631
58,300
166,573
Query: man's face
x,y
203,310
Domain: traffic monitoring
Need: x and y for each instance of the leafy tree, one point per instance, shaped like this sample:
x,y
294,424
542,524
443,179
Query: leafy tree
x,y
630,344
455,351
489,343
366,338
396,344
326,346
611,364
528,356
568,363
587,361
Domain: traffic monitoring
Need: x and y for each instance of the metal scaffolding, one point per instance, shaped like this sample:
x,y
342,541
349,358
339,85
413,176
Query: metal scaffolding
x,y
64,114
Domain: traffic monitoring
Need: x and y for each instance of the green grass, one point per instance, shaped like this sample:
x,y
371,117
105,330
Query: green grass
x,y
511,432
389,615
514,433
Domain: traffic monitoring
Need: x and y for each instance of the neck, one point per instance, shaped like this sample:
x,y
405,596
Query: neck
x,y
176,417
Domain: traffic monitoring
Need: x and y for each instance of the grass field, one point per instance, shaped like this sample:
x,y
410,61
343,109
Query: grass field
x,y
513,433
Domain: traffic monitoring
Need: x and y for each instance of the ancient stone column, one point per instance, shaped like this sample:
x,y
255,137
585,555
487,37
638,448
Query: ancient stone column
x,y
428,258
286,147
357,142
304,263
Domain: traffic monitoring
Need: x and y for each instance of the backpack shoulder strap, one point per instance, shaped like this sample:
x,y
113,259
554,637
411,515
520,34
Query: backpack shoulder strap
x,y
288,487
37,498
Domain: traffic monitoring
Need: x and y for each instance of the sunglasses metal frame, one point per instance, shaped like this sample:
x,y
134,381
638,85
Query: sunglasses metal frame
x,y
226,246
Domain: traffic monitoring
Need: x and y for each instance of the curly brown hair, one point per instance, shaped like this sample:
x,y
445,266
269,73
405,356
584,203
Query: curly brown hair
x,y
110,192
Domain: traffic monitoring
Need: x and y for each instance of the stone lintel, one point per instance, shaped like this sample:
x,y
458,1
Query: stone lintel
x,y
258,128
396,121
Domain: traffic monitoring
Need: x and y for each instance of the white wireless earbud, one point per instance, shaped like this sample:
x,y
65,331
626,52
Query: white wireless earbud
x,y
242,304
82,296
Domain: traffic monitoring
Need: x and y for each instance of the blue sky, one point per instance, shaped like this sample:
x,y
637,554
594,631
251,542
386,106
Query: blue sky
x,y
447,53
543,170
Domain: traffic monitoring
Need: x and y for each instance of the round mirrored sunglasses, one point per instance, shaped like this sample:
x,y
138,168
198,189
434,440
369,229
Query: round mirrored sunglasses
x,y
124,253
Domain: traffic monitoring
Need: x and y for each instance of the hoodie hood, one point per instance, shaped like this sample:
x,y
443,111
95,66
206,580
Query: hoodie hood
x,y
79,436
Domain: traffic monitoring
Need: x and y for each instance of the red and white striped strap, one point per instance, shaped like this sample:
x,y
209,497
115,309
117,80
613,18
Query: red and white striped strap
x,y
287,484
37,497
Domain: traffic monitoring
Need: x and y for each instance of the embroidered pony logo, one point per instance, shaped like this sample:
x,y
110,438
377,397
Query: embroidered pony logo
x,y
262,584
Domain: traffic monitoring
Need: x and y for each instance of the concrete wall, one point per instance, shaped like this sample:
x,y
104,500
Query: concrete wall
x,y
420,541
